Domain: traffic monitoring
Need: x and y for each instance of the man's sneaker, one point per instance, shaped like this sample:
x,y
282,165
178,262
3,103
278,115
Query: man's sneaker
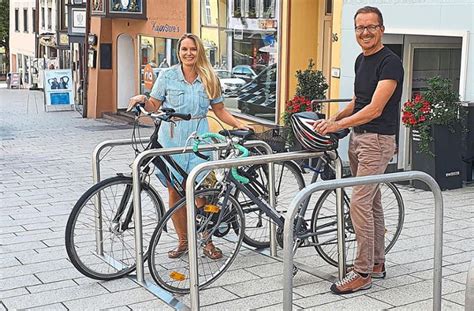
x,y
378,272
351,283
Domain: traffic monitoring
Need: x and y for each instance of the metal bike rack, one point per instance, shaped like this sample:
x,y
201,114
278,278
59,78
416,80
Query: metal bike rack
x,y
96,178
137,189
469,301
191,225
109,143
305,194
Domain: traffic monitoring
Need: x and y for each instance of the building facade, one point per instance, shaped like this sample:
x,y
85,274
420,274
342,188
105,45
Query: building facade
x,y
256,47
23,17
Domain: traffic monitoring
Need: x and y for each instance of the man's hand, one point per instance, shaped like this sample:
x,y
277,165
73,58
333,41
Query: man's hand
x,y
135,100
242,126
326,126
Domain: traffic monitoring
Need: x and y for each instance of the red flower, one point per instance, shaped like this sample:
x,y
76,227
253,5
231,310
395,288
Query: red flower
x,y
416,111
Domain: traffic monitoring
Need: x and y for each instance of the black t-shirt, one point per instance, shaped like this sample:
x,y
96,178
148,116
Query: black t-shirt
x,y
369,70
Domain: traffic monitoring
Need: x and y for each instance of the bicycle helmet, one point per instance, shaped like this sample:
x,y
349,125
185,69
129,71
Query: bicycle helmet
x,y
302,126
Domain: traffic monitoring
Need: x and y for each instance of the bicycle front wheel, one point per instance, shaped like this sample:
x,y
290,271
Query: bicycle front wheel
x,y
324,223
219,219
288,182
100,242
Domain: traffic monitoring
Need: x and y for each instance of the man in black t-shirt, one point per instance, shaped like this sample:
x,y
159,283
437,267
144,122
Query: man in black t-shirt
x,y
373,116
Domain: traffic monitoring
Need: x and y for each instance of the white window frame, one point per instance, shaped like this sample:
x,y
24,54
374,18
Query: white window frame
x,y
408,46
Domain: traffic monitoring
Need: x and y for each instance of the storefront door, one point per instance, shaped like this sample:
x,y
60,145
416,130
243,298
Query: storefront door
x,y
125,73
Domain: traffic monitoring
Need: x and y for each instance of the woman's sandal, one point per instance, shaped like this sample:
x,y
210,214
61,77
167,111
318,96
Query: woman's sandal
x,y
212,252
178,252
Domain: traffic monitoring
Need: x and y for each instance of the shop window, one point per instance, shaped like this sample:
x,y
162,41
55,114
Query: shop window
x,y
244,55
153,52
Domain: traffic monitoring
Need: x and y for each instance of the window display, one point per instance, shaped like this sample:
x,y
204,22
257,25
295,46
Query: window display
x,y
157,53
244,50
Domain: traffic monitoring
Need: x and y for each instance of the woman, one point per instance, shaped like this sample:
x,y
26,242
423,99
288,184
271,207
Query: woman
x,y
189,87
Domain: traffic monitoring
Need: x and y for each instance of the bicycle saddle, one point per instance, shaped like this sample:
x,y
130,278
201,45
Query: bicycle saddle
x,y
244,134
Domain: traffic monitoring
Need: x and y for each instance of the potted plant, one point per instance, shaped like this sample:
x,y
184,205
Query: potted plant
x,y
435,120
311,85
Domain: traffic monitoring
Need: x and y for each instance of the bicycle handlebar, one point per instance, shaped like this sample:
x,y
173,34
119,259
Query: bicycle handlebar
x,y
165,114
244,153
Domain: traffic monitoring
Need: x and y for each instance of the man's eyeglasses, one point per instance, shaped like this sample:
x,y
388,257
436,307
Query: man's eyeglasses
x,y
370,28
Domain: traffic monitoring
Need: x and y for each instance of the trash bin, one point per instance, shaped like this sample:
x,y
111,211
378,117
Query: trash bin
x,y
467,149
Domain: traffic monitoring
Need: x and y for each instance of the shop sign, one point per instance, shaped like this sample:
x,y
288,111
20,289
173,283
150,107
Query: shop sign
x,y
58,89
148,77
238,34
268,24
168,18
63,39
15,80
78,21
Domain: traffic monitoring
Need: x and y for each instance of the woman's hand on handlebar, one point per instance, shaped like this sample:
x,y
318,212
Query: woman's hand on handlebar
x,y
133,101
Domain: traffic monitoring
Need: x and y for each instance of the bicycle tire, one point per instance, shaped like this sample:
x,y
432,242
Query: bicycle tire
x,y
288,181
324,218
80,232
173,274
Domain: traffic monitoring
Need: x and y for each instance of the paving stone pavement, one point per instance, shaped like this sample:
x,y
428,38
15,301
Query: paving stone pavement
x,y
45,166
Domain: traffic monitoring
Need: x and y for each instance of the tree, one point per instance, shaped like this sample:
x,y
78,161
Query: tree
x,y
4,28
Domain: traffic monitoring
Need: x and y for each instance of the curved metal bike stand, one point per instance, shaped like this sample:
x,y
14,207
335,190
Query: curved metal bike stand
x,y
96,178
469,302
305,194
109,143
263,159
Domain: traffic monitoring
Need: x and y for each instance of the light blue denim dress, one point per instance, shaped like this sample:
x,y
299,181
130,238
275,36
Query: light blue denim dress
x,y
175,92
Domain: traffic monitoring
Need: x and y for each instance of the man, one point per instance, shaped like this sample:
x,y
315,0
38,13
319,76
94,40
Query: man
x,y
373,115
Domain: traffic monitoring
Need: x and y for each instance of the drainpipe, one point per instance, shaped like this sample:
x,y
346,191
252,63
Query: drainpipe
x,y
85,86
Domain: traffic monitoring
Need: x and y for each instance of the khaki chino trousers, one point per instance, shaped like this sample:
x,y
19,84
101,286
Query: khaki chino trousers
x,y
369,154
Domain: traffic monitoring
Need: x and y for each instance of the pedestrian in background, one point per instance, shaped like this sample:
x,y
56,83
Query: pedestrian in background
x,y
188,87
373,115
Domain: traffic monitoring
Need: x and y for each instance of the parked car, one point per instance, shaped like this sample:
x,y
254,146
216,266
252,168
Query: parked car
x,y
259,95
244,72
229,83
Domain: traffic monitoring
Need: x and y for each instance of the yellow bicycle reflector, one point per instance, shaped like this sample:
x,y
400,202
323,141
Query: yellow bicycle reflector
x,y
209,208
175,275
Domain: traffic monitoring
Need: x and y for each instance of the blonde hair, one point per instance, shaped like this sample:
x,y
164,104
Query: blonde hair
x,y
203,67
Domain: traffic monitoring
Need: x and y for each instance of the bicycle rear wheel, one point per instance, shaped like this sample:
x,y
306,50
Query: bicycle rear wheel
x,y
102,246
288,182
324,223
219,221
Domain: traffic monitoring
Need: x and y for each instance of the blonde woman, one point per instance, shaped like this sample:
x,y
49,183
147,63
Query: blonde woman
x,y
188,87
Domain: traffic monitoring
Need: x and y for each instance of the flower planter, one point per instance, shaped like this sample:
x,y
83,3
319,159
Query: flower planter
x,y
446,165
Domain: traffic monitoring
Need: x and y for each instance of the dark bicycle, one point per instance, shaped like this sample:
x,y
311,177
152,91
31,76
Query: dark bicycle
x,y
100,229
291,175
